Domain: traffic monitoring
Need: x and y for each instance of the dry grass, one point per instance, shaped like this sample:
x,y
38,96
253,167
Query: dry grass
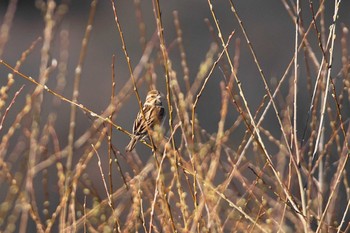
x,y
295,180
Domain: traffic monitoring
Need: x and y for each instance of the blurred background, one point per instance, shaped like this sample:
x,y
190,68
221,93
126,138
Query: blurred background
x,y
270,28
268,24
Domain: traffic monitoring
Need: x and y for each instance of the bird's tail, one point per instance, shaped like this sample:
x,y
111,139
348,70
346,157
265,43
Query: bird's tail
x,y
131,144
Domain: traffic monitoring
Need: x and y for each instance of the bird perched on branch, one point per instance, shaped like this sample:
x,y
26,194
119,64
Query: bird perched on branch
x,y
154,114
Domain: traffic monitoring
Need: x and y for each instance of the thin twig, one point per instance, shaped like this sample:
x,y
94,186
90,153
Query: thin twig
x,y
9,107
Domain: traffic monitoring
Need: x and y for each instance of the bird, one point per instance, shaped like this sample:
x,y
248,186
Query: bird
x,y
154,114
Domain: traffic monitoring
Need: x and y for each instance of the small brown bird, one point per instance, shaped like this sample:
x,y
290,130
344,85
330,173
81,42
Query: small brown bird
x,y
154,114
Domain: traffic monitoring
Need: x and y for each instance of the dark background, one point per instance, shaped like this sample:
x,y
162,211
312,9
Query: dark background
x,y
268,24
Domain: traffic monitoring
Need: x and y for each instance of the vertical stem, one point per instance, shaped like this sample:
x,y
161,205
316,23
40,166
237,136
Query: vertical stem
x,y
75,96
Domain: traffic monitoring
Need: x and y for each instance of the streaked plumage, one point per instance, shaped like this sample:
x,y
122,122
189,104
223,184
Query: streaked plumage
x,y
154,114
